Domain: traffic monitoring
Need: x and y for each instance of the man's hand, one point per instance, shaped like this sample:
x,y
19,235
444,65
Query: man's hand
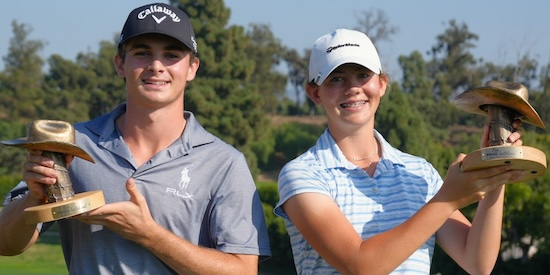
x,y
130,219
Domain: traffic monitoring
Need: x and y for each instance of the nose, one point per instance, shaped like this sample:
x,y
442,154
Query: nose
x,y
353,90
156,65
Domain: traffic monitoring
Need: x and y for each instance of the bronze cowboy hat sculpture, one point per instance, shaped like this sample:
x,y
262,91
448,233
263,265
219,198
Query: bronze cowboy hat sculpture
x,y
506,94
56,139
50,135
503,102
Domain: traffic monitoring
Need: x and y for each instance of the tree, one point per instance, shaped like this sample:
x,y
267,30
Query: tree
x,y
401,124
226,96
22,77
67,88
375,24
525,71
415,78
106,90
451,60
297,73
20,93
267,53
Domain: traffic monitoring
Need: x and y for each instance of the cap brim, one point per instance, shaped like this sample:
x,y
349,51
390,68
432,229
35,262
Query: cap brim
x,y
185,43
472,100
365,62
52,146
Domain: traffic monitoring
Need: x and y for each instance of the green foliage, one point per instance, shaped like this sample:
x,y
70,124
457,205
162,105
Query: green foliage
x,y
106,89
452,60
292,139
11,158
263,149
22,77
402,125
278,237
237,81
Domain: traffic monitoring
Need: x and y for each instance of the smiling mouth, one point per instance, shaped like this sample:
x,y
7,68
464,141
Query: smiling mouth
x,y
155,82
353,105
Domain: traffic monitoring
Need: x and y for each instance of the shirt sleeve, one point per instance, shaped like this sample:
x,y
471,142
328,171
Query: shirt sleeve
x,y
237,220
297,178
17,192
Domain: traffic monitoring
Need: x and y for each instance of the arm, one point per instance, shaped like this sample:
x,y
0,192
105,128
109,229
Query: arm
x,y
133,221
475,246
16,236
343,248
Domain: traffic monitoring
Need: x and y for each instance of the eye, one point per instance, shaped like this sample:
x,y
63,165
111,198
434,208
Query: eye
x,y
367,75
173,55
141,53
335,78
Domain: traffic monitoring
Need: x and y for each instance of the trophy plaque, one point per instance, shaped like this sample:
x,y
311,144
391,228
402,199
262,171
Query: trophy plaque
x,y
56,139
503,102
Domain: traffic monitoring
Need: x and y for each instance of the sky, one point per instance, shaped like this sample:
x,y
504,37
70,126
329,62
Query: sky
x,y
506,29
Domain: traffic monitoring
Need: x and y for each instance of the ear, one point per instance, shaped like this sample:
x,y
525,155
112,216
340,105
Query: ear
x,y
193,68
383,79
119,65
312,91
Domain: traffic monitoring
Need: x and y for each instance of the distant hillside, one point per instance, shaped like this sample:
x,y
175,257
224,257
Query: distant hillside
x,y
317,120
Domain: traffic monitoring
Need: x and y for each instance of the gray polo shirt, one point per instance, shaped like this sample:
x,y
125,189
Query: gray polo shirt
x,y
200,188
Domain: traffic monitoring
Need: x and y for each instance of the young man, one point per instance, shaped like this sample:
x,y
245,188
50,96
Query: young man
x,y
179,200
353,204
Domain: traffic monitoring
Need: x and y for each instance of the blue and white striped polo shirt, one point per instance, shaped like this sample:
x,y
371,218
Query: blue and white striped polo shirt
x,y
401,185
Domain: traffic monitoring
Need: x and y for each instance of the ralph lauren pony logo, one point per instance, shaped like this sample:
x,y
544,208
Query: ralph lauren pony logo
x,y
185,179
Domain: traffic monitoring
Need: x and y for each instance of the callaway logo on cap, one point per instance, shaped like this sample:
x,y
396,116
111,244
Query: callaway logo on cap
x,y
159,18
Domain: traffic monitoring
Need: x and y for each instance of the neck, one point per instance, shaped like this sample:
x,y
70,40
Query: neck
x,y
363,152
146,134
366,151
358,146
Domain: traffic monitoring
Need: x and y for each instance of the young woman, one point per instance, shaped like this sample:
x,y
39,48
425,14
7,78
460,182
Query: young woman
x,y
354,204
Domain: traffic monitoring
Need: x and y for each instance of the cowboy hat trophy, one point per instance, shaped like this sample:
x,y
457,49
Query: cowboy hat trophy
x,y
503,102
55,139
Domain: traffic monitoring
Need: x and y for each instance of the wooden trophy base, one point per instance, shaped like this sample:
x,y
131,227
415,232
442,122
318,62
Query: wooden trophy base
x,y
80,203
529,159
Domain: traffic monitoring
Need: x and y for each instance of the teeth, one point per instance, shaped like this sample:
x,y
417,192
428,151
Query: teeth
x,y
156,82
356,104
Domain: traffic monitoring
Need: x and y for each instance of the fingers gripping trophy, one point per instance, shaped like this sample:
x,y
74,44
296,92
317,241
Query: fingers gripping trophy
x,y
55,139
503,102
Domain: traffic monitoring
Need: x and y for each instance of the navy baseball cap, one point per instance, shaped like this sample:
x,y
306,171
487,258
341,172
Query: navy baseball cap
x,y
159,18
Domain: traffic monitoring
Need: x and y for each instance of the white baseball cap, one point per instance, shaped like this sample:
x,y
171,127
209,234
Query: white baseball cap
x,y
339,47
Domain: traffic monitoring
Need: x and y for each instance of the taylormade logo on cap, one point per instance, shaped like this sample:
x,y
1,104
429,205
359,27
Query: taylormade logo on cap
x,y
340,47
162,19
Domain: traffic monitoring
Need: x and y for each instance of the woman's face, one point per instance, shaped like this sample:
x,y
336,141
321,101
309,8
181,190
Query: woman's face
x,y
350,94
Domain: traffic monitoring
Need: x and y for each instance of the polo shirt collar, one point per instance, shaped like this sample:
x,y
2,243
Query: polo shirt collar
x,y
330,154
